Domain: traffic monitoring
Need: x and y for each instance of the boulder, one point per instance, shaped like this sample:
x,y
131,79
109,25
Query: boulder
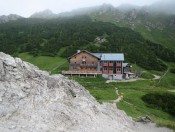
x,y
33,100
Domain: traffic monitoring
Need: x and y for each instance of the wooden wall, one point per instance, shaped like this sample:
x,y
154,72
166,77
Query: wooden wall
x,y
83,62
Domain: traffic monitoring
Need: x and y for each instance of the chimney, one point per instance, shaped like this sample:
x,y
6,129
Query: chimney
x,y
78,51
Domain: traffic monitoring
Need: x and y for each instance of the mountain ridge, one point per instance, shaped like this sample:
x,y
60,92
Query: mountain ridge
x,y
157,27
152,24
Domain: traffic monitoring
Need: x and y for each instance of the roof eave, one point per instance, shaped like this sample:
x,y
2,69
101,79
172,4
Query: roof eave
x,y
80,52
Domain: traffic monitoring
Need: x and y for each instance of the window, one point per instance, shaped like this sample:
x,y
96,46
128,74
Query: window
x,y
118,69
92,62
110,69
105,62
75,62
83,57
75,57
83,62
105,68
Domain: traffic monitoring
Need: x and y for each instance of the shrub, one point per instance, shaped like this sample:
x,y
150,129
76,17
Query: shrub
x,y
164,101
172,71
147,75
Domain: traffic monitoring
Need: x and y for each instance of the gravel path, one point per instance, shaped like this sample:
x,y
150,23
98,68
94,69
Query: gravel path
x,y
133,79
151,127
173,91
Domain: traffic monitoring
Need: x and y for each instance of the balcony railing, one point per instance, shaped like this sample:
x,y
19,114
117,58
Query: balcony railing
x,y
75,64
88,65
105,64
118,72
105,71
110,64
81,72
110,71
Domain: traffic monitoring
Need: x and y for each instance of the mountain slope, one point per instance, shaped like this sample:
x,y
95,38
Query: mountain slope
x,y
155,26
47,37
155,22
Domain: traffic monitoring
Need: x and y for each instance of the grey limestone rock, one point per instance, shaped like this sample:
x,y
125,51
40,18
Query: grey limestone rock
x,y
33,100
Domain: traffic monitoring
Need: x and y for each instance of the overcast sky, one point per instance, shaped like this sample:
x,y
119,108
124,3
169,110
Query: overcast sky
x,y
27,7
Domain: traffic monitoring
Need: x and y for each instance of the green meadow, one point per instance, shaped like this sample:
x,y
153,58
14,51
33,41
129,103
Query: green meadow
x,y
50,64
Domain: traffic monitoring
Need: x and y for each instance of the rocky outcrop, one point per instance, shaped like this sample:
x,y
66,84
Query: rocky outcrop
x,y
100,40
172,23
11,17
158,25
46,14
33,100
132,15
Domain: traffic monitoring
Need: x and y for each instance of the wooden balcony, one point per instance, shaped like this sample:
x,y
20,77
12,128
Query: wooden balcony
x,y
74,64
111,64
88,65
105,72
82,74
105,64
110,71
118,72
119,64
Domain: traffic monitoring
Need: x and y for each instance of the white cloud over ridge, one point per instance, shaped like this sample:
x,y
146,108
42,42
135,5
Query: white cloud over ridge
x,y
28,7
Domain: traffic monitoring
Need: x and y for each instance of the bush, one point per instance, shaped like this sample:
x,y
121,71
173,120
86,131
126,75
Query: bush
x,y
164,101
172,71
147,75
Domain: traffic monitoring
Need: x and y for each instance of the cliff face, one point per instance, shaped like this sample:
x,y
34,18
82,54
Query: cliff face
x,y
33,100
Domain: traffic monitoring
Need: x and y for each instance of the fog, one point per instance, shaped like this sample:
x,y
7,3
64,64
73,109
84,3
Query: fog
x,y
27,7
164,6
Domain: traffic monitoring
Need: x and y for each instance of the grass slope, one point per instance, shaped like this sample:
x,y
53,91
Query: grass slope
x,y
165,37
54,64
132,92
